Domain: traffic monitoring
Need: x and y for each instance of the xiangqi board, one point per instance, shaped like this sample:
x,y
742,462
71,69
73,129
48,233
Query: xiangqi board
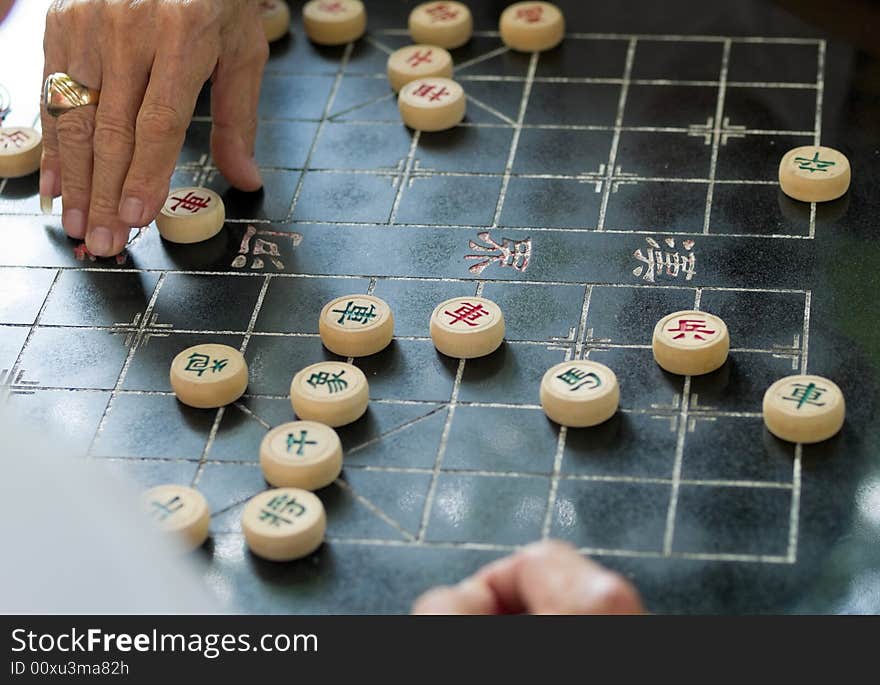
x,y
590,191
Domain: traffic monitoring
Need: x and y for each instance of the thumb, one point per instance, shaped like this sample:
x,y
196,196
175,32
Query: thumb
x,y
235,94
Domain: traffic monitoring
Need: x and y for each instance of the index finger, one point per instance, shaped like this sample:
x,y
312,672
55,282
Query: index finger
x,y
161,127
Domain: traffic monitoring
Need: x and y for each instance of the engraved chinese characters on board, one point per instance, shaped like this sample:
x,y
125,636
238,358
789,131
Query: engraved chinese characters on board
x,y
514,254
665,260
258,247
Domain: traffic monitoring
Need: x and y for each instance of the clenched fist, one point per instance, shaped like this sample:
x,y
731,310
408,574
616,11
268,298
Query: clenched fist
x,y
112,164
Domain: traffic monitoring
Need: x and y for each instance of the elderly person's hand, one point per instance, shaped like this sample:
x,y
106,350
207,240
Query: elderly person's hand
x,y
544,578
112,164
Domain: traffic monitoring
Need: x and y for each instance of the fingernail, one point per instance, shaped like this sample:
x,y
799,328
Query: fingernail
x,y
74,222
47,184
132,211
47,191
100,241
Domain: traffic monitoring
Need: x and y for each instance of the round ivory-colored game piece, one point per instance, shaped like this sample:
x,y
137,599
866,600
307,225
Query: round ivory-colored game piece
x,y
356,325
301,454
191,215
276,19
579,393
691,343
467,327
284,524
417,61
332,393
814,173
446,24
432,104
334,22
20,150
180,511
532,26
804,409
209,376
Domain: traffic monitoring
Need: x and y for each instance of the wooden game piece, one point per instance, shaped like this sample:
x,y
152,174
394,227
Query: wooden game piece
x,y
445,24
179,511
334,22
467,327
301,454
532,26
690,343
332,393
814,173
579,393
276,19
432,104
356,325
209,376
284,524
191,215
20,151
804,409
417,61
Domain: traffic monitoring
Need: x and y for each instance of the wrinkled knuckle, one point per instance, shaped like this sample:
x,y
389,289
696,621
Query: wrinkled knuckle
x,y
146,184
103,207
76,129
181,24
156,123
113,137
193,14
74,189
